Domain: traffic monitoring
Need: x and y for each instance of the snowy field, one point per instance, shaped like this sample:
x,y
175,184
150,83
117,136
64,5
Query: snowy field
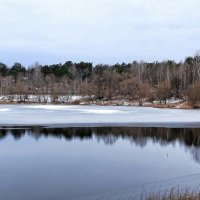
x,y
72,116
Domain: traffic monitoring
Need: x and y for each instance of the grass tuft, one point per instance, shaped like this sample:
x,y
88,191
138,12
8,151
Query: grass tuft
x,y
175,194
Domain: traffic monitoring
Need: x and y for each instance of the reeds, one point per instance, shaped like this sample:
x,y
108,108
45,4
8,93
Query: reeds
x,y
175,194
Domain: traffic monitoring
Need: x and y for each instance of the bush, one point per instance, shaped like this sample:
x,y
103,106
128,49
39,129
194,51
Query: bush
x,y
164,92
194,95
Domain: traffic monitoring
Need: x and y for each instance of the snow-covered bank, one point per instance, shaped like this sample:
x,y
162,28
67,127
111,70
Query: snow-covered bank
x,y
66,116
40,98
91,100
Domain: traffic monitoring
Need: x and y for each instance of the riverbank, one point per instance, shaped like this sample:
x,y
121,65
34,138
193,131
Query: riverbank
x,y
88,100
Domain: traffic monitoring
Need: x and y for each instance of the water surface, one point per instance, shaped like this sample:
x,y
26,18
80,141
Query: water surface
x,y
64,163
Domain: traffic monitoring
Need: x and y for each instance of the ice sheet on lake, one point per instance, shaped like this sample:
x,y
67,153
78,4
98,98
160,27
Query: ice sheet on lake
x,y
61,115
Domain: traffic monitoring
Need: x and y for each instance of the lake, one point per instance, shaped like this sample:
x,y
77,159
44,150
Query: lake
x,y
68,163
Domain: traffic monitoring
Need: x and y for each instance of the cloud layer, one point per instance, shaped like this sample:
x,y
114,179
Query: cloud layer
x,y
101,31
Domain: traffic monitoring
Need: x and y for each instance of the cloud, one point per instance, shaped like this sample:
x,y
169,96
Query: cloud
x,y
102,31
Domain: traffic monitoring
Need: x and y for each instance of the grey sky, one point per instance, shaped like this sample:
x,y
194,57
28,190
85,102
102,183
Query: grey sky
x,y
100,31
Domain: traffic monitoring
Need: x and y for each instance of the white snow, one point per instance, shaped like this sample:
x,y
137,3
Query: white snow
x,y
76,98
61,115
40,98
48,107
102,111
4,109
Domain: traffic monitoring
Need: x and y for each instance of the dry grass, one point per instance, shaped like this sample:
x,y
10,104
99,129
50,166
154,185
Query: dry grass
x,y
175,194
181,105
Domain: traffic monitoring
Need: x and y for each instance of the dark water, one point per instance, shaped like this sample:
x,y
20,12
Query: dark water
x,y
41,163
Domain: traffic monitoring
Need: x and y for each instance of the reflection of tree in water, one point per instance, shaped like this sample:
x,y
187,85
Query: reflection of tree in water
x,y
3,134
195,151
188,137
139,136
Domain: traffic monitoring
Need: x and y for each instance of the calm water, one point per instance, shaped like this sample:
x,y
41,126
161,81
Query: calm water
x,y
41,163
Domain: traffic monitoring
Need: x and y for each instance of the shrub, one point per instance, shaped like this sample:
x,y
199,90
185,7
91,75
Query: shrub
x,y
194,95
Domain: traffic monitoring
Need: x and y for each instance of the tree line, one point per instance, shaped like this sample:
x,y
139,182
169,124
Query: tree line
x,y
140,81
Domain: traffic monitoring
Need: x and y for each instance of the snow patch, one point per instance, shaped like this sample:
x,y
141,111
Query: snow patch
x,y
50,107
4,109
73,98
103,111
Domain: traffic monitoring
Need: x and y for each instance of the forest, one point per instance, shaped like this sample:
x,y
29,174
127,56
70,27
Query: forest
x,y
137,81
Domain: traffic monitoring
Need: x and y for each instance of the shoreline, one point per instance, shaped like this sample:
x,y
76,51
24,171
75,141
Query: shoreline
x,y
178,105
175,106
166,125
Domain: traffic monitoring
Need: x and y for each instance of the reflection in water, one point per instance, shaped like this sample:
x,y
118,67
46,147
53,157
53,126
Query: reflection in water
x,y
39,163
188,137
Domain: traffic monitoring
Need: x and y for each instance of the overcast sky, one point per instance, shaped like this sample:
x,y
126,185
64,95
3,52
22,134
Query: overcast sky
x,y
99,31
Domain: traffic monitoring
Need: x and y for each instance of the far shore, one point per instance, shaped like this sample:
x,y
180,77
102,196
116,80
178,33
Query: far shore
x,y
171,103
